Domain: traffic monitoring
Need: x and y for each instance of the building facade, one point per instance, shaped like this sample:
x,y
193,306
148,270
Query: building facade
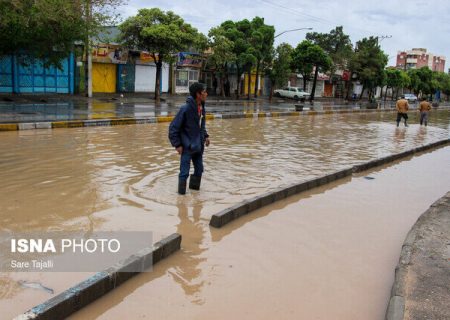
x,y
418,58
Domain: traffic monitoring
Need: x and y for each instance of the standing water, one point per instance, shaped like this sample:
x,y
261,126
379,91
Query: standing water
x,y
124,178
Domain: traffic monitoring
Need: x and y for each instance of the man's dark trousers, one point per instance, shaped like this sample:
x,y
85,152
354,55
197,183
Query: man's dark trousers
x,y
185,165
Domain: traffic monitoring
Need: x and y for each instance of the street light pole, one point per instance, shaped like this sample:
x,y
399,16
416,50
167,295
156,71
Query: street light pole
x,y
291,31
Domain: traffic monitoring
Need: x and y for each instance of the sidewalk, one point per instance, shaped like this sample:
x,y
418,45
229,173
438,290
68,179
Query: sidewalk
x,y
422,278
132,97
24,112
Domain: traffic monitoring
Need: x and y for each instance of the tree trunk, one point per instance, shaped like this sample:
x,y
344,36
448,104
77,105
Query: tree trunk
x,y
249,85
222,85
313,90
271,91
238,82
347,88
385,95
257,79
158,80
304,83
362,92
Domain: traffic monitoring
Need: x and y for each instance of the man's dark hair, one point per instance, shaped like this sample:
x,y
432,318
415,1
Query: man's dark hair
x,y
196,87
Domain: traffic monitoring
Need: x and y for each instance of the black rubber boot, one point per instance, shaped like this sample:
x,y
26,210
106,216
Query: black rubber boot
x,y
194,182
182,187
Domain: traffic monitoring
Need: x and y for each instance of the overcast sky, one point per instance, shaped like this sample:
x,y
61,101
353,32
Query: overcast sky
x,y
409,24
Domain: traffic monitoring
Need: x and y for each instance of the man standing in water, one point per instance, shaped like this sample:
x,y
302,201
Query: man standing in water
x,y
402,109
424,108
187,133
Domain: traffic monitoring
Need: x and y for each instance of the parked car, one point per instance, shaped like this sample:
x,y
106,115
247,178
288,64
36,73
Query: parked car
x,y
410,97
291,92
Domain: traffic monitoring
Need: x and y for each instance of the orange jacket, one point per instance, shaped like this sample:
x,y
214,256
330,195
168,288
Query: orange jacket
x,y
424,106
402,105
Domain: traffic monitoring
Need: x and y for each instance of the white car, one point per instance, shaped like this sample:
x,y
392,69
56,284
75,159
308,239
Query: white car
x,y
291,92
411,97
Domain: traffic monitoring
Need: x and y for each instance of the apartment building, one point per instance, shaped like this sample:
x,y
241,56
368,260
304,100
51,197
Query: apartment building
x,y
418,58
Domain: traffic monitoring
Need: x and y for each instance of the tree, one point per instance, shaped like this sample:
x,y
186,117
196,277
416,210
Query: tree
x,y
441,82
222,54
421,81
238,33
43,29
301,62
336,44
445,85
161,34
307,56
396,79
263,36
368,62
281,66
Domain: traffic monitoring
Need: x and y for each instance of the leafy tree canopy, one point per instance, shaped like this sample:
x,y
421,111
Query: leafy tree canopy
x,y
336,44
281,68
48,29
369,61
44,29
160,32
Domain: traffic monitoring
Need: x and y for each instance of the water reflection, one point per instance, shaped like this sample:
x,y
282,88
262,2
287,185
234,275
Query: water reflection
x,y
187,270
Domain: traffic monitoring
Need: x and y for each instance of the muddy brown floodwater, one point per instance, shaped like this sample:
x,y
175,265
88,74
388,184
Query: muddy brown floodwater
x,y
302,257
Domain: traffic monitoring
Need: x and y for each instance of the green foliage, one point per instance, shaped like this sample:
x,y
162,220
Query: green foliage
x,y
421,80
368,62
308,55
222,49
44,29
281,68
48,29
240,35
160,32
336,44
397,78
262,41
441,81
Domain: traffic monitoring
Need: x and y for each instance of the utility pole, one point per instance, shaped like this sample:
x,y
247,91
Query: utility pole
x,y
88,49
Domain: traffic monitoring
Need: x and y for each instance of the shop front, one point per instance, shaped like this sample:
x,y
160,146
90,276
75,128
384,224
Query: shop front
x,y
105,58
187,71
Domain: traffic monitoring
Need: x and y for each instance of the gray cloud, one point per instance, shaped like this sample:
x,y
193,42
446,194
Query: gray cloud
x,y
410,23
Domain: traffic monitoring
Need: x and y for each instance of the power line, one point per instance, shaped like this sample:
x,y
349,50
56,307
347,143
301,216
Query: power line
x,y
318,19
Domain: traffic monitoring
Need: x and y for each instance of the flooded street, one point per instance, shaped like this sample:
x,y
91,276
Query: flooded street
x,y
125,178
326,254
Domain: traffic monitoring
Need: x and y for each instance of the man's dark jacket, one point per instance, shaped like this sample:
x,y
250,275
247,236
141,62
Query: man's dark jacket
x,y
187,130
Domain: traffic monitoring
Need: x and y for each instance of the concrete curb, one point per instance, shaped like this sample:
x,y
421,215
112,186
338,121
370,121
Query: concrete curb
x,y
225,216
396,306
144,120
87,291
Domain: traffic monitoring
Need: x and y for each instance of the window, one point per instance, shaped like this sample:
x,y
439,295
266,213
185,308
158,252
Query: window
x,y
193,75
182,78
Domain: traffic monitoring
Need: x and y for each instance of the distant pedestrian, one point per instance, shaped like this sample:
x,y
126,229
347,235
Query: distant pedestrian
x,y
227,87
215,85
402,109
187,133
424,109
